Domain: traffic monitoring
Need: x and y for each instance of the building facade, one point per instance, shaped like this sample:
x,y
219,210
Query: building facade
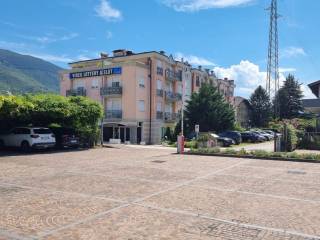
x,y
142,93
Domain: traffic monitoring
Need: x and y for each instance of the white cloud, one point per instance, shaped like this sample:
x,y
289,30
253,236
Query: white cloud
x,y
247,76
197,5
51,58
246,73
290,52
50,38
194,60
109,35
287,70
107,12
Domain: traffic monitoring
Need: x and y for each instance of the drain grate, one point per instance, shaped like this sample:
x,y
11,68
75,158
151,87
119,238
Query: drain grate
x,y
296,172
158,161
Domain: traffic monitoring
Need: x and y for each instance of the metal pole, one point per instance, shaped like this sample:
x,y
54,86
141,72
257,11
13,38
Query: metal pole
x,y
102,102
182,110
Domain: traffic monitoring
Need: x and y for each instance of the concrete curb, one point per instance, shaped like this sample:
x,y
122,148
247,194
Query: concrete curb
x,y
252,157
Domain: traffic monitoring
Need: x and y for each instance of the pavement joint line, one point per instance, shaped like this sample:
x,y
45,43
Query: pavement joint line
x,y
283,169
267,178
81,221
189,181
258,194
63,192
15,236
121,178
245,225
93,217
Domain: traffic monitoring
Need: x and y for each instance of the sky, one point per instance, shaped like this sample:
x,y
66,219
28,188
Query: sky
x,y
228,36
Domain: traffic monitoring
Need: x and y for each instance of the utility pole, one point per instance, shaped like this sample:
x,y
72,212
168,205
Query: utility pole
x,y
273,57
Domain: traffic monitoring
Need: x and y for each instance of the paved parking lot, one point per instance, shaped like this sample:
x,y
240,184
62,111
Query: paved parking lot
x,y
151,193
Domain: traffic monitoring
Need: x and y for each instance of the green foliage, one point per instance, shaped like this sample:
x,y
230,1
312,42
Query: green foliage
x,y
261,108
290,138
168,135
237,127
289,98
191,144
208,109
257,154
79,113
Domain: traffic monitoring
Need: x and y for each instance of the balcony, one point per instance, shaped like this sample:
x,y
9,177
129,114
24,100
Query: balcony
x,y
172,76
76,92
111,91
159,115
113,114
159,92
170,117
173,97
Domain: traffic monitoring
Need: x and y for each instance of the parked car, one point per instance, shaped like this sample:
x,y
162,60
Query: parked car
x,y
252,137
267,136
225,142
235,136
66,138
28,137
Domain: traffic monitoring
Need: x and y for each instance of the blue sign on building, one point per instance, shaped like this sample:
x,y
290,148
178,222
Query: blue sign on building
x,y
96,73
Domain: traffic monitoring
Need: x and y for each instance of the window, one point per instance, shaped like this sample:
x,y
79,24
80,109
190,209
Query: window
x,y
95,83
114,82
141,81
42,131
114,104
21,131
159,107
159,84
141,105
197,81
78,84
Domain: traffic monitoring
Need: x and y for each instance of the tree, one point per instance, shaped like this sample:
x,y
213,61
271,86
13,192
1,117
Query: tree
x,y
289,98
208,109
261,108
79,113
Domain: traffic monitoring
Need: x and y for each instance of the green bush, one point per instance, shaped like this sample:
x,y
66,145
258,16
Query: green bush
x,y
191,144
79,113
260,153
230,151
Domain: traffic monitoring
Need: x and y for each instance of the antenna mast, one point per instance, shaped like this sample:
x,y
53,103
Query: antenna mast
x,y
273,56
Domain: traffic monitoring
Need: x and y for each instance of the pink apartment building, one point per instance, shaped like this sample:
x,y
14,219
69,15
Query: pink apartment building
x,y
142,93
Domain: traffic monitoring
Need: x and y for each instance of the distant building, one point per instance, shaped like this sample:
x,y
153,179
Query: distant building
x,y
243,110
313,105
141,93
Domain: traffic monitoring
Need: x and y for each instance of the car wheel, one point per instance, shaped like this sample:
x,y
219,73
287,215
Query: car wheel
x,y
25,147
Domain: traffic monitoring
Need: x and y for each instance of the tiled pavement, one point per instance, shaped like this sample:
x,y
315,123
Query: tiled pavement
x,y
149,193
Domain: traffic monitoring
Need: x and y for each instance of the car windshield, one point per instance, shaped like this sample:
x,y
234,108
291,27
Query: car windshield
x,y
42,131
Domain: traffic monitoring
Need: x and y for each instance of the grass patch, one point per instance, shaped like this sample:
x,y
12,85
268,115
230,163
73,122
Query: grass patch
x,y
257,153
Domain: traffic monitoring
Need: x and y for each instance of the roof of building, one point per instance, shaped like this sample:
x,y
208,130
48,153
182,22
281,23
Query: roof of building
x,y
311,103
315,88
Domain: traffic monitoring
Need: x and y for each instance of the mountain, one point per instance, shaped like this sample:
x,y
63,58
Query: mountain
x,y
26,74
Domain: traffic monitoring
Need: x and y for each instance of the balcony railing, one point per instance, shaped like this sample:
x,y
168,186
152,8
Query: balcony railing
x,y
113,114
173,97
76,92
170,117
159,115
173,76
107,91
160,92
